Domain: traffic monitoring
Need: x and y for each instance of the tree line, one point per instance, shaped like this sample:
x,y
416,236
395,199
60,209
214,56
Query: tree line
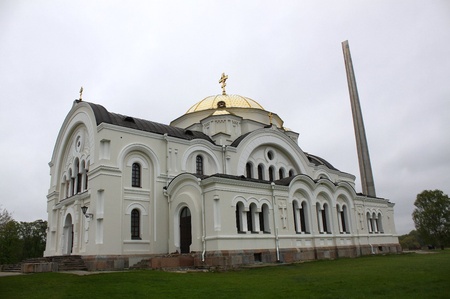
x,y
20,240
431,218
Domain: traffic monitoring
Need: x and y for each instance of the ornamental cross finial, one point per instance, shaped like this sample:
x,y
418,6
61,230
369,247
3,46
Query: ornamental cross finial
x,y
81,93
223,80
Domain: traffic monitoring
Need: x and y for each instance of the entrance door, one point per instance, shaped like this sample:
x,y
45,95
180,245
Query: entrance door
x,y
68,235
185,230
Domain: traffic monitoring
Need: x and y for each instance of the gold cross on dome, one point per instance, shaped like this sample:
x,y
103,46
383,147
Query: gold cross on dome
x,y
81,93
223,80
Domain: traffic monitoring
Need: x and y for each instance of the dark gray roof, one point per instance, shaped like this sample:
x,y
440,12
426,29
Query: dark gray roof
x,y
319,161
104,116
239,139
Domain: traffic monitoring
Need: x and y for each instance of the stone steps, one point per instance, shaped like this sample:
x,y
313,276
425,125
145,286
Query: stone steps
x,y
143,264
166,262
65,263
12,268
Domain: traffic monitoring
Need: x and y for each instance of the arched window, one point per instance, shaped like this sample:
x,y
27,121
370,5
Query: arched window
x,y
241,220
342,219
303,218
296,216
199,165
369,223
86,178
135,225
260,172
249,220
72,183
325,219
374,223
281,173
271,174
136,175
252,215
264,219
248,170
380,223
300,217
291,172
79,179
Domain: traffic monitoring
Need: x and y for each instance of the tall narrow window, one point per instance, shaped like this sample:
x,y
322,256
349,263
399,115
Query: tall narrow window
x,y
136,175
291,172
281,173
369,223
135,225
374,223
345,227
296,216
86,179
241,220
303,218
199,165
238,219
72,183
260,172
79,181
254,218
248,170
271,174
326,220
249,221
380,223
264,219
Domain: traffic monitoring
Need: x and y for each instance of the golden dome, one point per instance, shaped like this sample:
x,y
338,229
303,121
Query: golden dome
x,y
224,101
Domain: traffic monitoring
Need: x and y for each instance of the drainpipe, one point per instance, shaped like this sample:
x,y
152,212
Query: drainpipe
x,y
167,158
166,194
203,221
277,243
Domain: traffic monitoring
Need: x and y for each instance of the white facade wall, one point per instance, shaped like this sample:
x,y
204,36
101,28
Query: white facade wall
x,y
168,185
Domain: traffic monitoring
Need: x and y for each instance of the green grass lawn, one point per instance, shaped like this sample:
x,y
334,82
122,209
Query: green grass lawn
x,y
390,276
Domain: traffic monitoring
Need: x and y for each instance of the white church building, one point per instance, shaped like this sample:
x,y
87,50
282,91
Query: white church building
x,y
223,185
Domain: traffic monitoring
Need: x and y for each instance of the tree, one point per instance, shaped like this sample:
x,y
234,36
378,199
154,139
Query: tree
x,y
5,217
33,236
411,241
20,241
10,243
432,217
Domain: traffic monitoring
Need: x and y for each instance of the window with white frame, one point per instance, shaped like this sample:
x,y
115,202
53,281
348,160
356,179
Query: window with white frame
x,y
136,175
135,224
241,218
199,165
264,219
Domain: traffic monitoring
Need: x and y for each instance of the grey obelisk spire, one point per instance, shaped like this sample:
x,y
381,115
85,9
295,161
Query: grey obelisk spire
x,y
365,169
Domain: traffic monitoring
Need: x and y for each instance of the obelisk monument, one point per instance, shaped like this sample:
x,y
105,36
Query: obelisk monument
x,y
365,169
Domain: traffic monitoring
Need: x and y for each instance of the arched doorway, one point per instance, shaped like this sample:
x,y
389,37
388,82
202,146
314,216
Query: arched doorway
x,y
68,235
185,230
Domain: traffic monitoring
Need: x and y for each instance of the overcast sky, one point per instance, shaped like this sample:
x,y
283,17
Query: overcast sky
x,y
155,59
